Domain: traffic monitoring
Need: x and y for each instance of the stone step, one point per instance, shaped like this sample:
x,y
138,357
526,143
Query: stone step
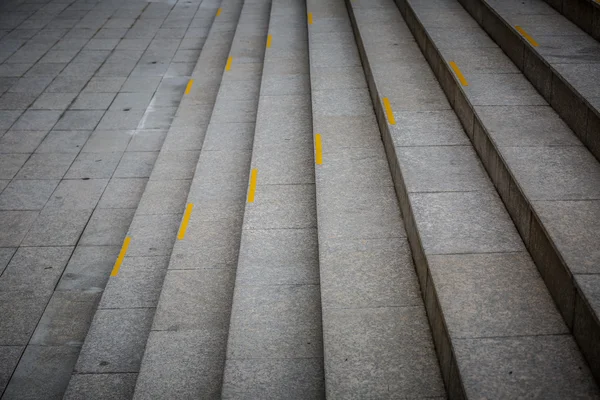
x,y
497,332
275,348
111,355
583,13
377,342
548,181
185,351
561,61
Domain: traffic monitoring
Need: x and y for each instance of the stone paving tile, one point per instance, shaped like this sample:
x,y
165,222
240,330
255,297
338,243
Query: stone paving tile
x,y
53,101
57,227
136,164
15,141
89,268
35,376
39,120
94,165
107,227
9,357
108,141
79,120
66,318
123,193
16,224
63,142
92,101
27,194
77,194
6,254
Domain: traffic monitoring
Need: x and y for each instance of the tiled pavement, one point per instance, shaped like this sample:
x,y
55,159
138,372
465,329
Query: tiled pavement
x,y
89,90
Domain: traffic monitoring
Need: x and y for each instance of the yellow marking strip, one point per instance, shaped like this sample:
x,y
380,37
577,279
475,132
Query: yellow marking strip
x,y
188,88
117,267
228,66
310,18
318,149
388,111
185,221
527,36
252,190
458,73
219,11
269,40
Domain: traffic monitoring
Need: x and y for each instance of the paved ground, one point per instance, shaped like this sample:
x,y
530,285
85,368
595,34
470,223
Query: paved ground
x,y
89,89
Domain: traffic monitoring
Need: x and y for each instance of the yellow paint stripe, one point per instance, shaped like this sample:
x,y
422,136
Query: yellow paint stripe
x,y
269,40
458,73
318,149
219,11
228,66
310,18
117,267
527,36
252,190
388,111
188,88
185,221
